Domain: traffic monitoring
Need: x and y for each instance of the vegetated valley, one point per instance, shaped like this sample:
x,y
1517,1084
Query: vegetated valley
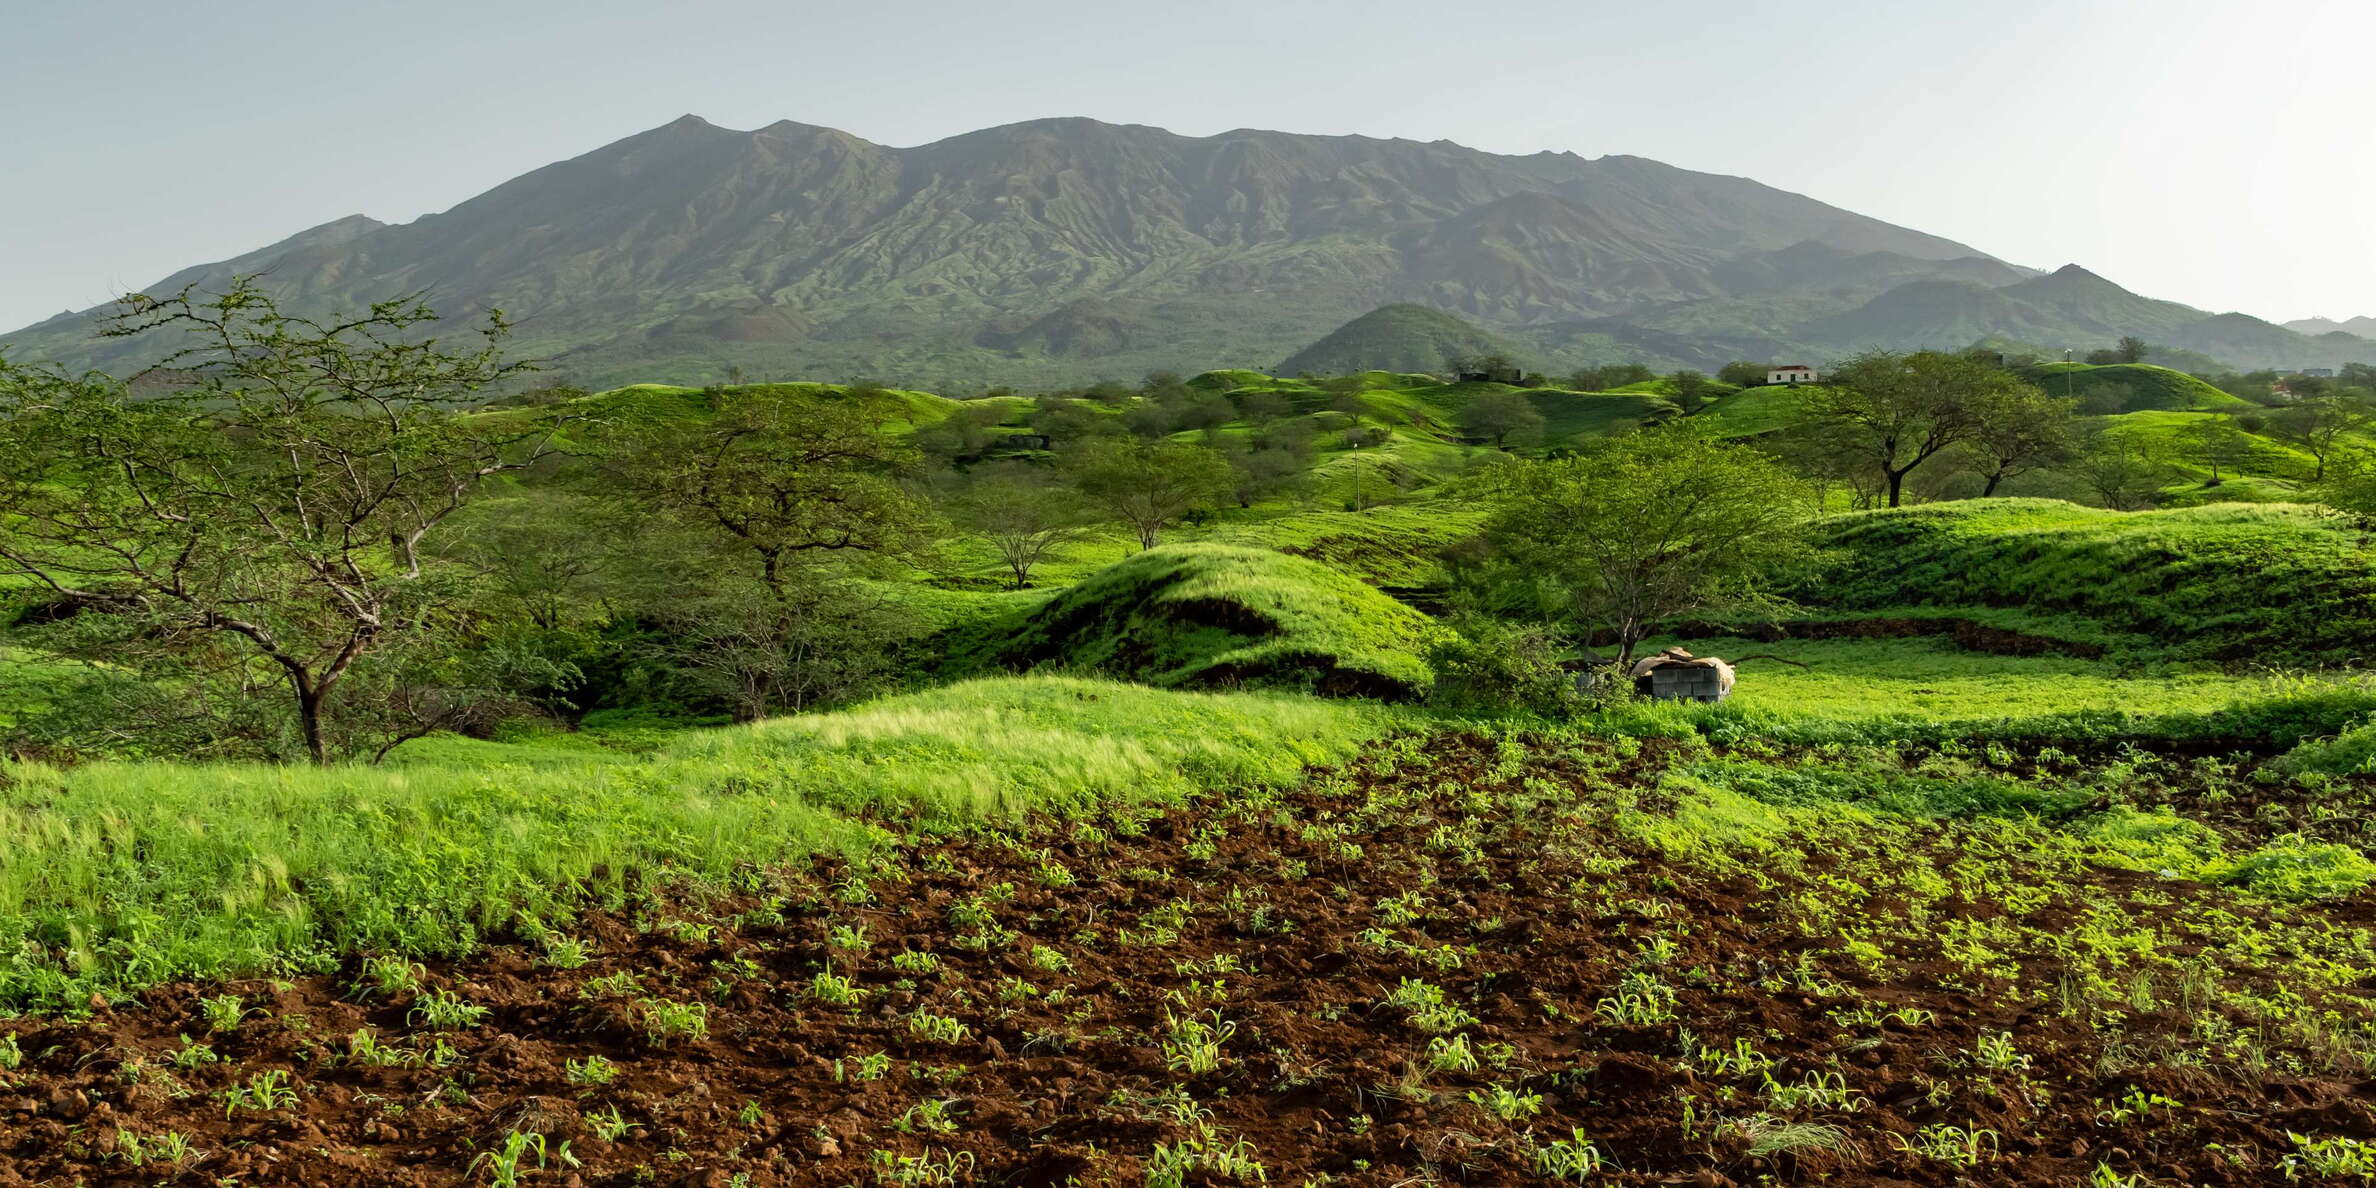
x,y
1217,780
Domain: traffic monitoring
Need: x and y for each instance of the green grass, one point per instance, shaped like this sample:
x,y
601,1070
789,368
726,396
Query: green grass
x,y
120,875
1931,679
1752,411
1207,615
2278,584
1395,545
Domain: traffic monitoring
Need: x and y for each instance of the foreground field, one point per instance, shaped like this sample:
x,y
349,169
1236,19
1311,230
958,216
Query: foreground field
x,y
1459,958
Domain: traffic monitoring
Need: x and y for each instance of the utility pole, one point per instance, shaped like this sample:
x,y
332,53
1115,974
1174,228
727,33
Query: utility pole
x,y
1357,475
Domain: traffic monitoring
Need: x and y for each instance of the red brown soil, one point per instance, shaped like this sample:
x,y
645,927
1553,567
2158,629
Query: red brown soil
x,y
1048,1092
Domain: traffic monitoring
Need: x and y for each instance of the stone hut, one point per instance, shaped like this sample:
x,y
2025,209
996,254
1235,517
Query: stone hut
x,y
1677,675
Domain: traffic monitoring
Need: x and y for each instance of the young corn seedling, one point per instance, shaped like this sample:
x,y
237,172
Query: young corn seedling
x,y
444,1010
939,1029
506,1164
934,1168
1573,1158
666,1021
835,990
1194,1046
1505,1103
172,1148
1451,1054
927,1117
1961,1146
590,1071
608,1124
262,1094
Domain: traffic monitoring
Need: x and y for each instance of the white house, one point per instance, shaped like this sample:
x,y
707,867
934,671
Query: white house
x,y
1793,373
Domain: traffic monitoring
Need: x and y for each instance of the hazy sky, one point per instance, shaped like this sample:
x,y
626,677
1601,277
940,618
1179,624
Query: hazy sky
x,y
2217,152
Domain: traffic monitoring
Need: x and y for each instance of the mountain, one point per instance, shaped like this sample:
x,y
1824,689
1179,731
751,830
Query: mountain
x,y
1068,249
2357,327
1403,338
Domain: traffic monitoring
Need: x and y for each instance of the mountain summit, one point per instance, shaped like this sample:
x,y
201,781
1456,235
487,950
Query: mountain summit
x,y
1070,248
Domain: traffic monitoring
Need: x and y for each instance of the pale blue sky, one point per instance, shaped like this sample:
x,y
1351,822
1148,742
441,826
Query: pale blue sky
x,y
2216,152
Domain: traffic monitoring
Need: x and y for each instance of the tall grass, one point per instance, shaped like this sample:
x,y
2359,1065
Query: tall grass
x,y
119,875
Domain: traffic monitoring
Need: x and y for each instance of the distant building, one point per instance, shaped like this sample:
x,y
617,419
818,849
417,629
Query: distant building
x,y
1793,374
2319,372
1513,376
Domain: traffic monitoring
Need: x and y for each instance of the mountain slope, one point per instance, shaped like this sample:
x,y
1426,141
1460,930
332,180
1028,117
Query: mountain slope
x,y
794,248
1069,249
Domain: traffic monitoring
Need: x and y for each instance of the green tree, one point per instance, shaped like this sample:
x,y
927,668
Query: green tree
x,y
2321,424
277,500
1150,485
1021,512
2123,476
2215,442
2022,429
777,477
1504,417
1693,391
780,499
2130,349
1742,373
1898,411
1647,528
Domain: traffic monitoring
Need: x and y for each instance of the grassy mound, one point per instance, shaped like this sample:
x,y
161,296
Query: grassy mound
x,y
1217,615
2280,583
2150,388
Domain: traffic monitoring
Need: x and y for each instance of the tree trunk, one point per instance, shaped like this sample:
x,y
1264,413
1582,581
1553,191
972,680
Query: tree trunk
x,y
1897,482
1993,479
309,716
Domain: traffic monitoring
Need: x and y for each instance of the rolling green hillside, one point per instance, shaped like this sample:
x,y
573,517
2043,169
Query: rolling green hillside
x,y
2283,584
2140,387
1207,615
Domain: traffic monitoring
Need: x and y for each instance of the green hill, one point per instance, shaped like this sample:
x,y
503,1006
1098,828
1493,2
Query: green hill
x,y
1401,338
1208,615
2274,583
2148,388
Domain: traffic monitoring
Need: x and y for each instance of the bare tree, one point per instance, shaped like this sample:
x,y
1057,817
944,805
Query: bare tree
x,y
279,493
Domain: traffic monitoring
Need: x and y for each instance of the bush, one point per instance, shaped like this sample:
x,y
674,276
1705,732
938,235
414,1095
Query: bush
x,y
1495,667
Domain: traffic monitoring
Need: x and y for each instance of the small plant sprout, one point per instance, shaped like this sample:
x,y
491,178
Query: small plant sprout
x,y
12,1054
1203,1154
934,1168
172,1148
443,1010
2335,1158
1194,1046
938,1029
928,1117
391,976
590,1071
566,952
834,990
608,1123
666,1021
1995,1050
1573,1158
508,1162
1505,1103
222,1012
915,962
1451,1054
261,1094
1946,1143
